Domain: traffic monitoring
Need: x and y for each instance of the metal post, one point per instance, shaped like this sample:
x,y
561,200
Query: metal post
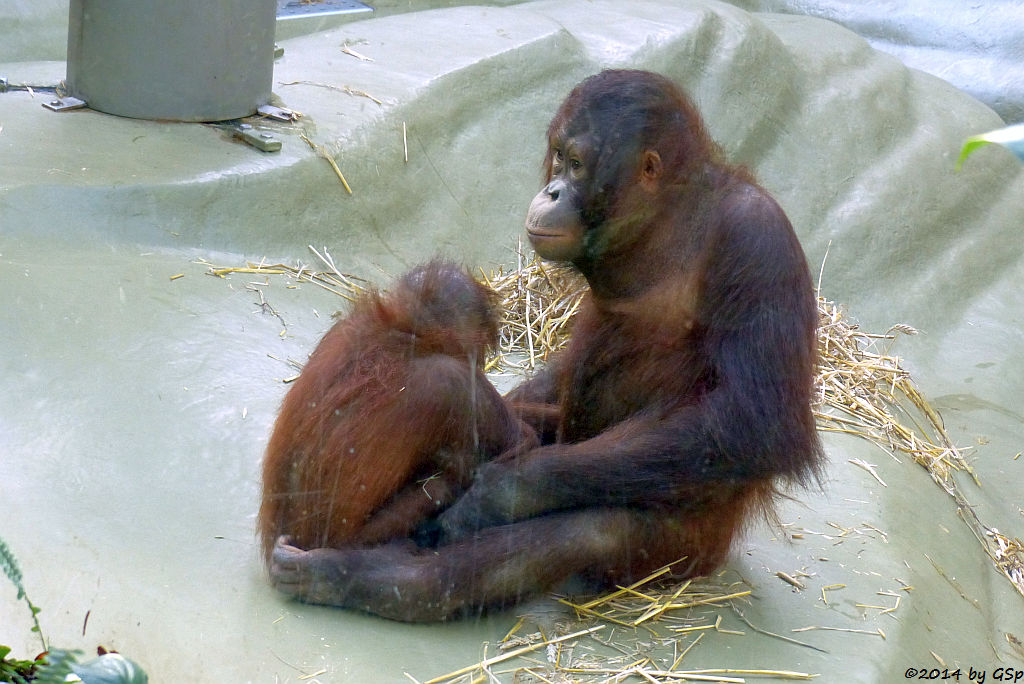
x,y
182,60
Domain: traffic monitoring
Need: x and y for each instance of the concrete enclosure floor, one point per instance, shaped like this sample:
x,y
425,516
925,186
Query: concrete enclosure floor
x,y
136,404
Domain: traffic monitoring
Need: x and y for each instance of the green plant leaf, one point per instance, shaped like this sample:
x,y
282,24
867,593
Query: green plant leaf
x,y
13,670
10,566
1011,137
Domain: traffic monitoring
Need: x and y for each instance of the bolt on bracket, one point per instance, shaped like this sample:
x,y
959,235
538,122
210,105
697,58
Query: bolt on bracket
x,y
64,104
261,140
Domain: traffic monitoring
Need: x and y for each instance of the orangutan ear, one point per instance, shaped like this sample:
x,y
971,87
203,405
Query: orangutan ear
x,y
650,170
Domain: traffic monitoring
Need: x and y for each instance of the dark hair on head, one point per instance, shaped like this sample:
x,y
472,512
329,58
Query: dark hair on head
x,y
640,109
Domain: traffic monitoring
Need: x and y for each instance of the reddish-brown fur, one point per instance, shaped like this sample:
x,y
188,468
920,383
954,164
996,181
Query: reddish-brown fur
x,y
683,398
392,395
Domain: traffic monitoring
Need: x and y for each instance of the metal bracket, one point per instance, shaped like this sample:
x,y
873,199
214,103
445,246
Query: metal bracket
x,y
64,104
261,140
276,113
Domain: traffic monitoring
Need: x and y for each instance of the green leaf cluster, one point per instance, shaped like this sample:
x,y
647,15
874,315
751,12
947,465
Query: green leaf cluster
x,y
17,671
53,666
9,564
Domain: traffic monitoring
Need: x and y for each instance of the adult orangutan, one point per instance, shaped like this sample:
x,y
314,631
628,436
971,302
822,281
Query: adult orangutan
x,y
684,396
389,417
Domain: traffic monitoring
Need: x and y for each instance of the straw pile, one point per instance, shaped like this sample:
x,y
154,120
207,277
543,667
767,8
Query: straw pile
x,y
625,644
342,284
538,302
867,394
